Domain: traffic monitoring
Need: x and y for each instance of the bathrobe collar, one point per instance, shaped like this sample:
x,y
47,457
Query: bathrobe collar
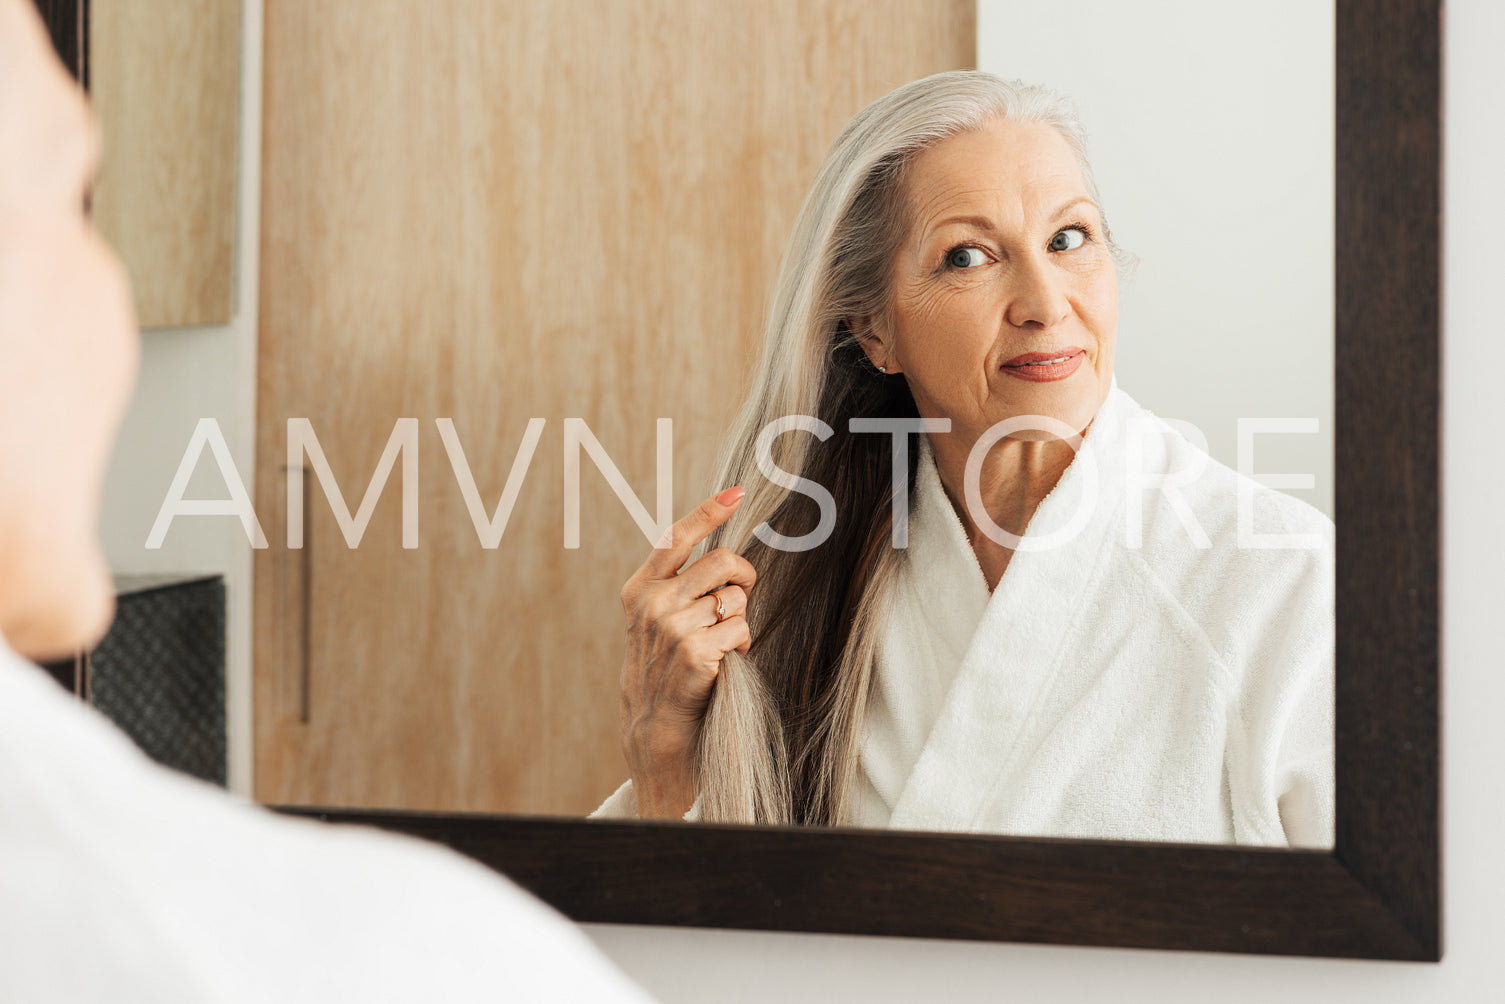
x,y
1017,632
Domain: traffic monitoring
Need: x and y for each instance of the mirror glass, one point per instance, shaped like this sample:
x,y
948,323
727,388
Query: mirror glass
x,y
516,265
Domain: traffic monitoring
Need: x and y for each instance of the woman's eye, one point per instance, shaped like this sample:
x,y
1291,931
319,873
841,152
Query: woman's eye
x,y
966,257
1068,240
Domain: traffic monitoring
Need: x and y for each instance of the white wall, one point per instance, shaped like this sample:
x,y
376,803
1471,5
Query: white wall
x,y
188,374
692,965
1210,130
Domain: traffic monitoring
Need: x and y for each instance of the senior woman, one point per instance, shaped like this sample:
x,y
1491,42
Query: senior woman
x,y
121,880
972,584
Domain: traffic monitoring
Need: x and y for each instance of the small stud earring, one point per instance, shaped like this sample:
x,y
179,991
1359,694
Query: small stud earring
x,y
882,369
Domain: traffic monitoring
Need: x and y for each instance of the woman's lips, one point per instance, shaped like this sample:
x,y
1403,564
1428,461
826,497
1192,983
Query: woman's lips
x,y
1045,367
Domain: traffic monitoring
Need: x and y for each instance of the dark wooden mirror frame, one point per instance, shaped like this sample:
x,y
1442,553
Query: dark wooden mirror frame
x,y
1377,894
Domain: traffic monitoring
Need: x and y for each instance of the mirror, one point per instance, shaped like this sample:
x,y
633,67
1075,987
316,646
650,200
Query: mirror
x,y
438,244
533,267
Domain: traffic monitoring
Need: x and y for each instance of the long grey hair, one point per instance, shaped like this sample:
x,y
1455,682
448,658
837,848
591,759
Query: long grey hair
x,y
780,740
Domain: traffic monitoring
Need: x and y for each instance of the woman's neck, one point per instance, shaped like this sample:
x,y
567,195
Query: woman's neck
x,y
1016,476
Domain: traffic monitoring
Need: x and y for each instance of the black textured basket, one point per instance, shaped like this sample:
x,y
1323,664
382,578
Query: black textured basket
x,y
159,673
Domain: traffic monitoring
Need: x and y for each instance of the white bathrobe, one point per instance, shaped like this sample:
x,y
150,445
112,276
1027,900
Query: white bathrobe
x,y
1151,675
122,881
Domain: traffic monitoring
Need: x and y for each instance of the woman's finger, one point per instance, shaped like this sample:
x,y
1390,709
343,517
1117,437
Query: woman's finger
x,y
712,571
733,601
732,633
689,531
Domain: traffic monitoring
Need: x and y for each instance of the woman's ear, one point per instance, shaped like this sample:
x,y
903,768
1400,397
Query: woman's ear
x,y
874,344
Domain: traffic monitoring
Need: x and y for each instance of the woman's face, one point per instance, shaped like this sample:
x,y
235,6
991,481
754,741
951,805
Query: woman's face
x,y
68,352
1005,295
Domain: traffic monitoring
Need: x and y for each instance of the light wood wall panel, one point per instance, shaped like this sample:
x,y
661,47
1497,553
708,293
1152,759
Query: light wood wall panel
x,y
165,81
493,211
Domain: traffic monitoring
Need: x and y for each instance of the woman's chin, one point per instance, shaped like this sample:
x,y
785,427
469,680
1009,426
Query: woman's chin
x,y
1061,407
60,614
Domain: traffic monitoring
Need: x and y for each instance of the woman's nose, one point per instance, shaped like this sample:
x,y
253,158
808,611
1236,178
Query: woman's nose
x,y
1036,295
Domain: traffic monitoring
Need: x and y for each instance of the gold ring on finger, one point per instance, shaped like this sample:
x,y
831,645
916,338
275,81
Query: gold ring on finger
x,y
720,607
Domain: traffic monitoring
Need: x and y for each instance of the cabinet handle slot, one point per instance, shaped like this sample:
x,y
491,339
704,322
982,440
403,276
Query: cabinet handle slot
x,y
305,600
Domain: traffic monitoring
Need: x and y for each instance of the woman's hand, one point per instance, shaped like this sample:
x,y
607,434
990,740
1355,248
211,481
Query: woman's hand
x,y
675,643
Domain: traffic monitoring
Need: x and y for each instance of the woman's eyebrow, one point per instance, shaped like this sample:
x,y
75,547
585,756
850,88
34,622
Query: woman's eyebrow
x,y
1078,200
983,223
980,222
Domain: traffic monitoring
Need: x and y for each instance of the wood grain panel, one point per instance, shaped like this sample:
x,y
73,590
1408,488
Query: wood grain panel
x,y
165,80
491,212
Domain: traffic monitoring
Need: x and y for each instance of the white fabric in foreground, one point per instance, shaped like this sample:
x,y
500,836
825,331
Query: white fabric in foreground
x,y
121,881
1109,689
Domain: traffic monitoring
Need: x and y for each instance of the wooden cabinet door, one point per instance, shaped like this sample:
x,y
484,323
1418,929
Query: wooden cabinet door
x,y
492,211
